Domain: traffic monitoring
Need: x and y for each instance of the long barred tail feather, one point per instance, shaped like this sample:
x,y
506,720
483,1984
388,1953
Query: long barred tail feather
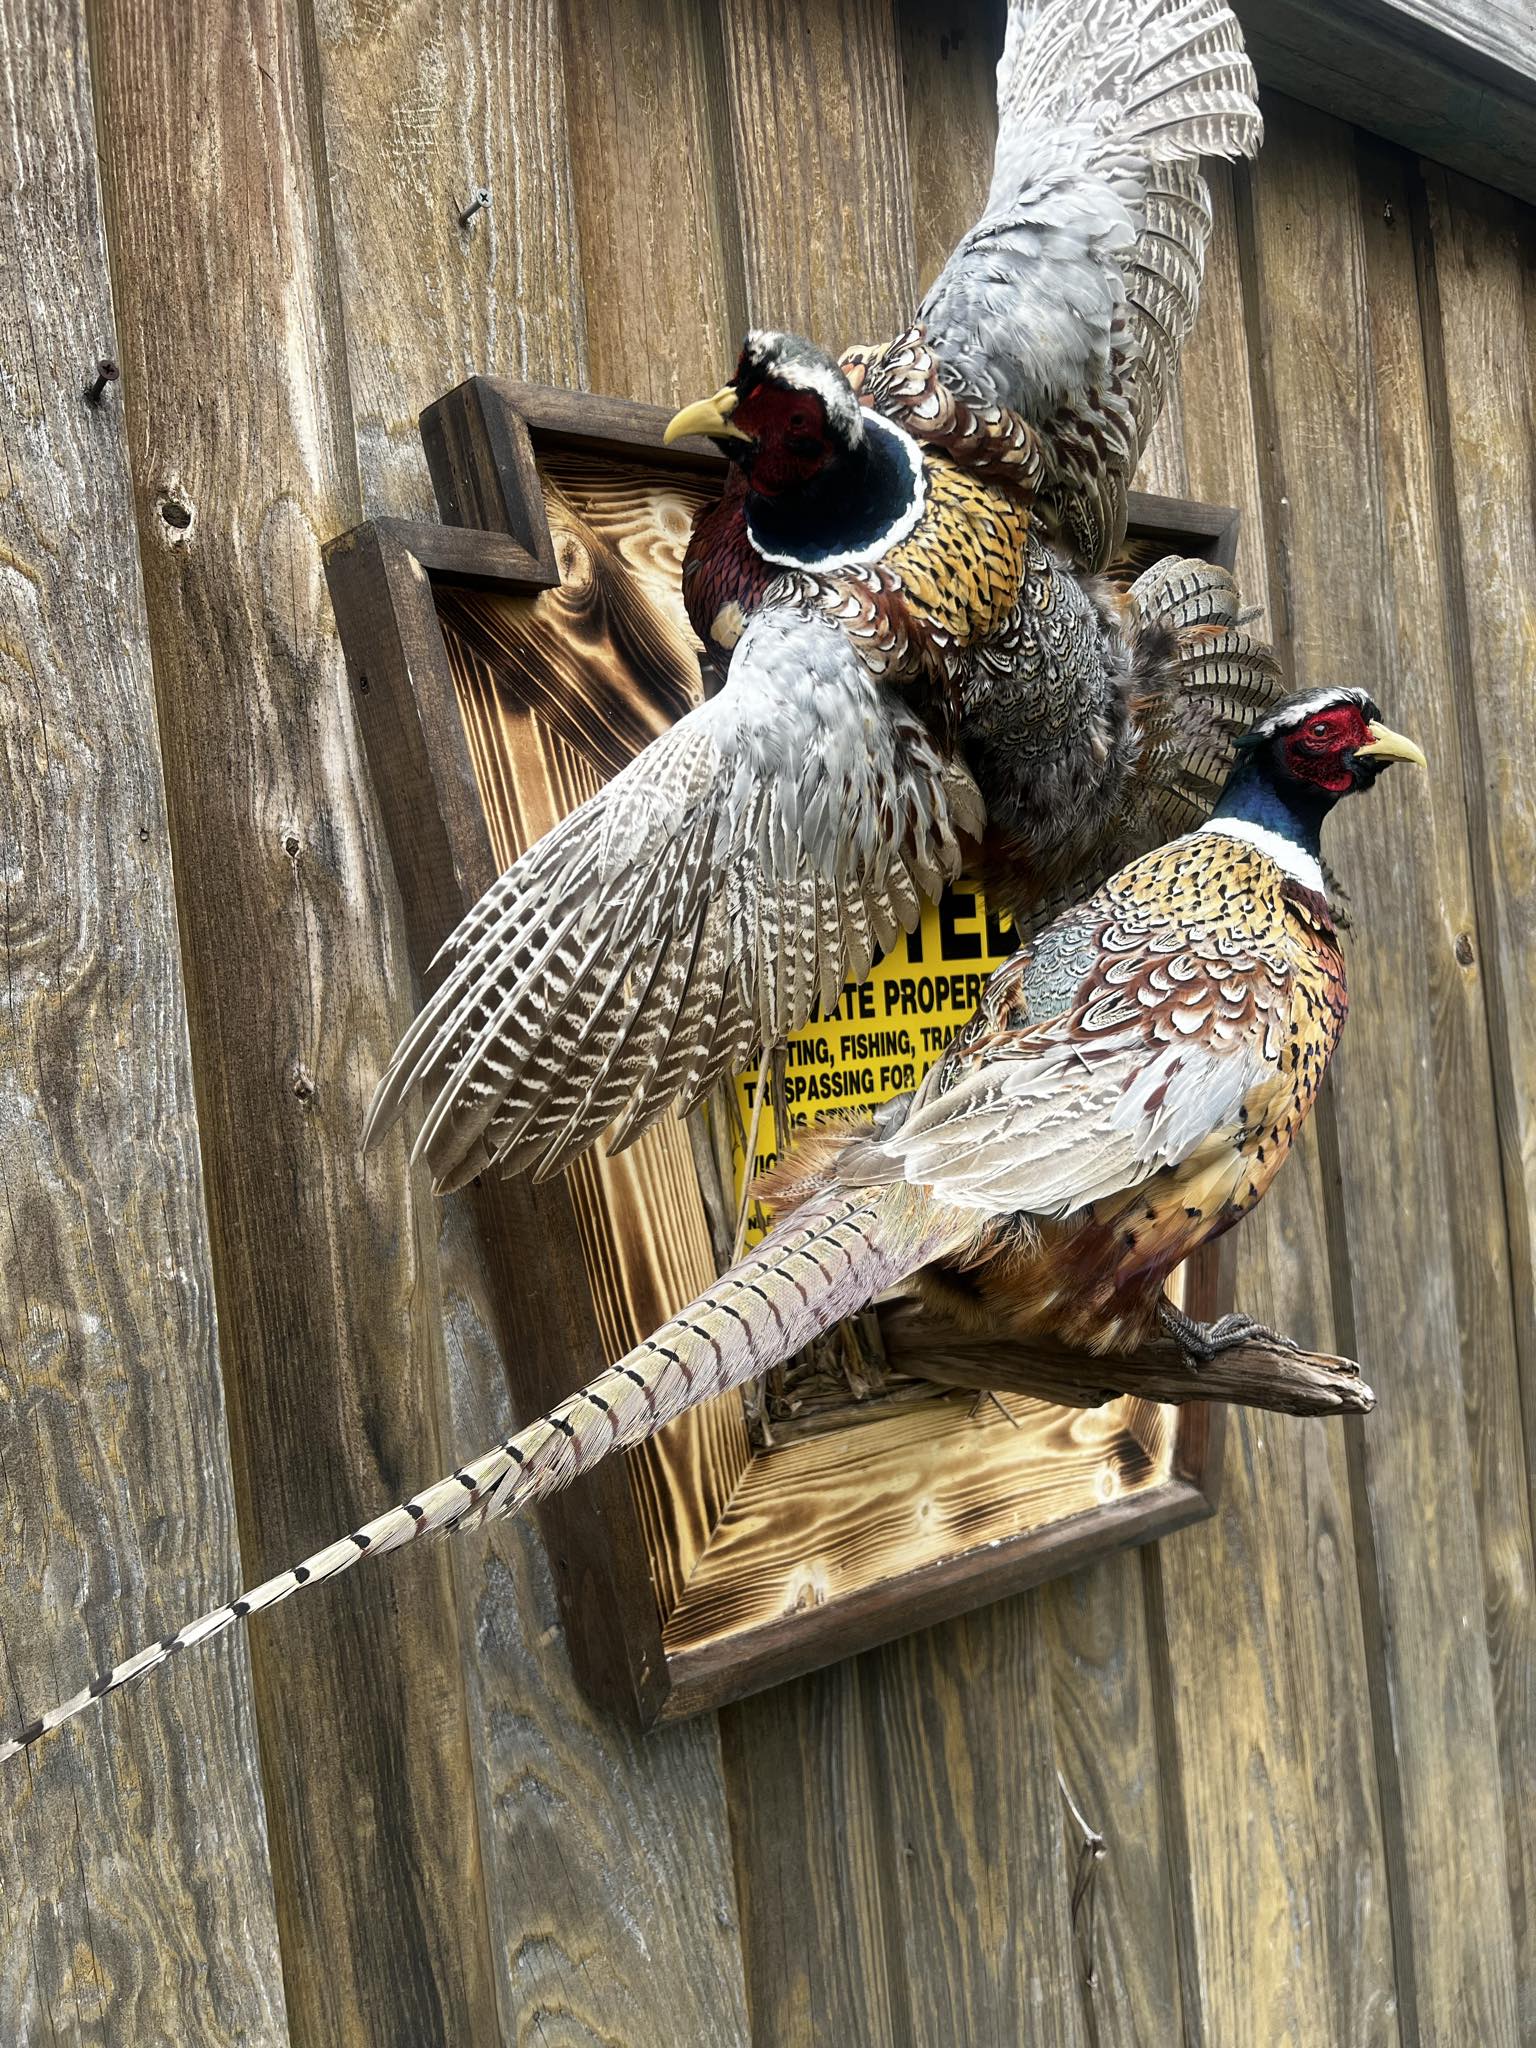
x,y
824,1262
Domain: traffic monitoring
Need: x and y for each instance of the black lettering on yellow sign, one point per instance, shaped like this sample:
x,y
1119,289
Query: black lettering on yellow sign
x,y
886,1031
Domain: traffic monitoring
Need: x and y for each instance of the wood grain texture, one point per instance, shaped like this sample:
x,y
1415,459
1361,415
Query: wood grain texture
x,y
828,1518
1254,1620
1104,1713
416,100
818,134
1430,674
611,1892
530,774
1371,62
135,1891
949,54
1100,1678
976,1840
1258,1373
812,1865
418,107
655,197
1479,314
331,1323
1393,1260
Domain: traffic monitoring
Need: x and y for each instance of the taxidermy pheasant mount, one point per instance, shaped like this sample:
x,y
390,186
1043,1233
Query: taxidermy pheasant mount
x,y
1128,1089
905,575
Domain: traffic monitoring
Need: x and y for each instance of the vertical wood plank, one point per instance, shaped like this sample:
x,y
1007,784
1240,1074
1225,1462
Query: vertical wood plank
x,y
819,106
1254,1618
812,1865
609,1875
968,1769
242,467
135,1892
1392,1255
819,132
608,1866
420,107
1105,1715
949,54
1479,310
814,98
655,196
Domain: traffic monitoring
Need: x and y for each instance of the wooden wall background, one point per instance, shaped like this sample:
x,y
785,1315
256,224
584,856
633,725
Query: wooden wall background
x,y
1307,1728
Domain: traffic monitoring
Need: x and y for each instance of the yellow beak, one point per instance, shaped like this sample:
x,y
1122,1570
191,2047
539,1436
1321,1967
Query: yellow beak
x,y
1387,745
711,416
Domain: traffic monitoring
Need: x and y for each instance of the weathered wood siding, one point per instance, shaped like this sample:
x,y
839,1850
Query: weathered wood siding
x,y
1308,1728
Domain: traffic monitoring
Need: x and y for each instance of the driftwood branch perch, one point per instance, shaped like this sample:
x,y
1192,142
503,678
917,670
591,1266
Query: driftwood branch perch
x,y
1256,1375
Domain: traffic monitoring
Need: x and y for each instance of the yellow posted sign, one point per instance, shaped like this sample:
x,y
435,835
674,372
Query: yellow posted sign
x,y
885,1033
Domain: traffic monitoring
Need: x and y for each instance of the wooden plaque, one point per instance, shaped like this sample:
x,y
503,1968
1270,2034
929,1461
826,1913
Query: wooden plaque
x,y
504,664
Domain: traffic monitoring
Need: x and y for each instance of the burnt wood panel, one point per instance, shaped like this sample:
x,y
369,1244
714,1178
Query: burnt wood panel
x,y
553,690
329,1312
132,1841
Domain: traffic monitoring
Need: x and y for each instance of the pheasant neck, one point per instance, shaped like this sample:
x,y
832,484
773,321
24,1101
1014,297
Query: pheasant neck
x,y
1285,823
853,512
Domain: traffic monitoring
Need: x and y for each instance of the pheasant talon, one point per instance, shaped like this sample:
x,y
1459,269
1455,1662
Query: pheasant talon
x,y
1238,1328
1201,1342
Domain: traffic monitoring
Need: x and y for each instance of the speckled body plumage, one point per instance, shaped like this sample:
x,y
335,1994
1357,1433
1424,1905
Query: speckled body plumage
x,y
1209,939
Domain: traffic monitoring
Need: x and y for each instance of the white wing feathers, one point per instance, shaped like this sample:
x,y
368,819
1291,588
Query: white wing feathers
x,y
1086,263
1072,1122
707,901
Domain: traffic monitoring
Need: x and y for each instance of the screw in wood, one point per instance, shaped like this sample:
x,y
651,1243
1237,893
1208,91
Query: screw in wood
x,y
479,200
106,373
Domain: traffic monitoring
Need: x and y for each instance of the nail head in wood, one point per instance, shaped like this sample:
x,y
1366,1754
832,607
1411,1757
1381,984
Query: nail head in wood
x,y
106,373
479,200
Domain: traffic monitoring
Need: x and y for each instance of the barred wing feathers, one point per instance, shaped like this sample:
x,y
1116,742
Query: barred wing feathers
x,y
706,902
1070,299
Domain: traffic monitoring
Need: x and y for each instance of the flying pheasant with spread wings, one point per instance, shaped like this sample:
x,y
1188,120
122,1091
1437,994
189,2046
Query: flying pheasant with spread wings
x,y
905,577
1129,1087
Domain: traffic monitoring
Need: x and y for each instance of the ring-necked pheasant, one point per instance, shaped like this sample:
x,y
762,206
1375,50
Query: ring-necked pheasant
x,y
1128,1089
914,660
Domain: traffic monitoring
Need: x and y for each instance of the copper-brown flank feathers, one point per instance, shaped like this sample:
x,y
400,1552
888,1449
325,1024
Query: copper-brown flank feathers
x,y
1127,1089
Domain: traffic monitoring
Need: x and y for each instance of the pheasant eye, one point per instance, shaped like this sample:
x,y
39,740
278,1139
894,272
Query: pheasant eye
x,y
1319,729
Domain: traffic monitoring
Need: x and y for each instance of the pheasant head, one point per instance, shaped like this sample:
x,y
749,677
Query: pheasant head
x,y
1295,765
827,481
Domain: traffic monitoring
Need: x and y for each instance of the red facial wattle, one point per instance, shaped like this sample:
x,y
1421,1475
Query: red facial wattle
x,y
1318,750
790,430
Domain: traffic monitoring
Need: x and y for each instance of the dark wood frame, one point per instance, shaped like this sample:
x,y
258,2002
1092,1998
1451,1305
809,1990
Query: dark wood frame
x,y
481,442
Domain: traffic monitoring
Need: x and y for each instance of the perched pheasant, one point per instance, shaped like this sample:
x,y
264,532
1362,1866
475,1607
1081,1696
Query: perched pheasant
x,y
1127,1090
921,653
